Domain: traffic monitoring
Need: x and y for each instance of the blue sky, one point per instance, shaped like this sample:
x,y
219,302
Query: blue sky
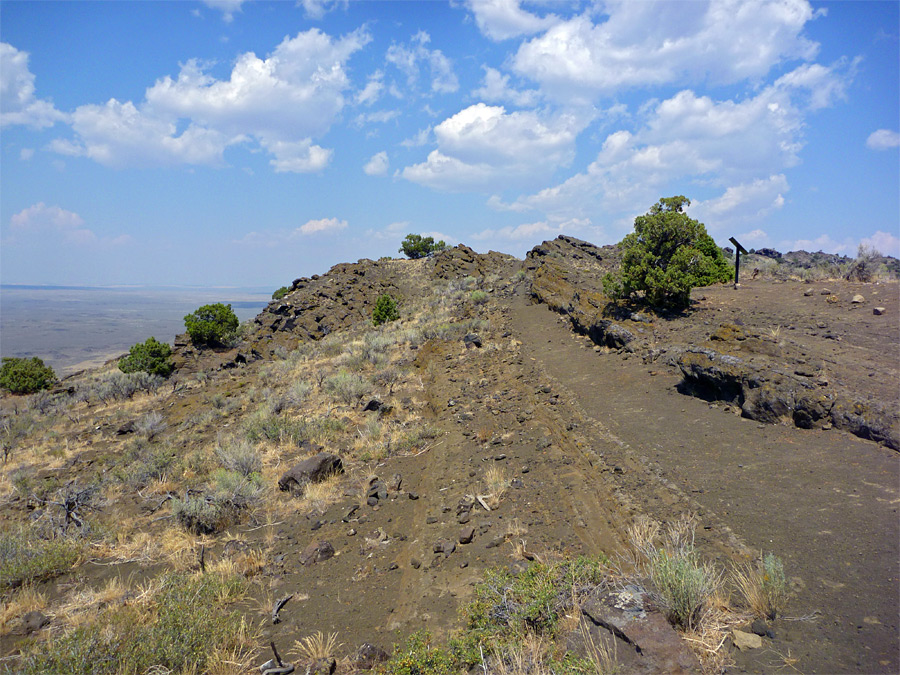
x,y
250,143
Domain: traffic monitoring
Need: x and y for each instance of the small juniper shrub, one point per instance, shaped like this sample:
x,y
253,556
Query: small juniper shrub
x,y
385,310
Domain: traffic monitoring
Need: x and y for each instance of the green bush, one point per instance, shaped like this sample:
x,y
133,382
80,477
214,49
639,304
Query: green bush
x,y
280,293
25,376
506,609
479,297
212,324
666,256
416,246
150,356
178,632
385,310
26,557
347,387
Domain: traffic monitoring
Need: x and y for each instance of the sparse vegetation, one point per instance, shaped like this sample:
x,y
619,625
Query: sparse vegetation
x,y
684,582
151,356
347,387
512,620
212,324
763,586
190,468
25,376
28,555
178,625
280,293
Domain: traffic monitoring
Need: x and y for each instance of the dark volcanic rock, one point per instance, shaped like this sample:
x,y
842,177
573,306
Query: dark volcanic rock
x,y
310,470
645,641
610,334
368,656
317,551
33,621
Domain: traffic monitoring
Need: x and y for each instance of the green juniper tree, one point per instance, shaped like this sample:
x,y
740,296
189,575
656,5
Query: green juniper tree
x,y
416,246
211,324
666,256
150,356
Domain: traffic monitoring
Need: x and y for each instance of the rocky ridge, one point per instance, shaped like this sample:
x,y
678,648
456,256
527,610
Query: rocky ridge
x,y
766,376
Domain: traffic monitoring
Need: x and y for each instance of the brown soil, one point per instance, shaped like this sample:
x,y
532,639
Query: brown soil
x,y
824,501
594,438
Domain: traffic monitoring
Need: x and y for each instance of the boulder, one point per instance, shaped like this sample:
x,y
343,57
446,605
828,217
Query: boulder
x,y
643,640
472,340
33,621
368,656
316,552
311,470
466,535
609,334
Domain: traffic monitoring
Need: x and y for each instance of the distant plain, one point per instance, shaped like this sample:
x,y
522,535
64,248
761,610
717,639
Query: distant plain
x,y
72,328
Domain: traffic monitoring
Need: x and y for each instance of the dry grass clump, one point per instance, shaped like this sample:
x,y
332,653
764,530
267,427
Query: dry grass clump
x,y
684,582
763,586
319,496
693,592
239,455
317,646
495,484
23,600
528,656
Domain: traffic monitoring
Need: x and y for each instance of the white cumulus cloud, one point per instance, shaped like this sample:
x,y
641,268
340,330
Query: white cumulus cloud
x,y
322,225
317,9
883,139
372,91
658,43
41,220
741,203
496,89
504,19
18,104
742,146
483,147
227,7
885,242
281,103
533,232
377,165
119,134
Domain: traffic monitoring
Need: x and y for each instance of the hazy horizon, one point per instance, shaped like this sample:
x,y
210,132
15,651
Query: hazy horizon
x,y
72,328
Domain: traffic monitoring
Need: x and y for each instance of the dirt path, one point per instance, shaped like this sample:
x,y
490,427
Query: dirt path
x,y
824,501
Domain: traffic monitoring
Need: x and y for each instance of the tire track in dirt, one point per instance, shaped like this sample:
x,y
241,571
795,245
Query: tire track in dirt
x,y
826,502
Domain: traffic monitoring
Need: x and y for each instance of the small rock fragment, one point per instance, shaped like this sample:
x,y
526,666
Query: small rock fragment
x,y
858,299
466,535
745,641
878,311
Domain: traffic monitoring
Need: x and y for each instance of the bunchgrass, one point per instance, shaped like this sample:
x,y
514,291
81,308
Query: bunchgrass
x,y
763,586
25,556
180,628
683,582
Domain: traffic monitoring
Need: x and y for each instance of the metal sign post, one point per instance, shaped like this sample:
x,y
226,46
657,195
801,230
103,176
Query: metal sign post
x,y
738,249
